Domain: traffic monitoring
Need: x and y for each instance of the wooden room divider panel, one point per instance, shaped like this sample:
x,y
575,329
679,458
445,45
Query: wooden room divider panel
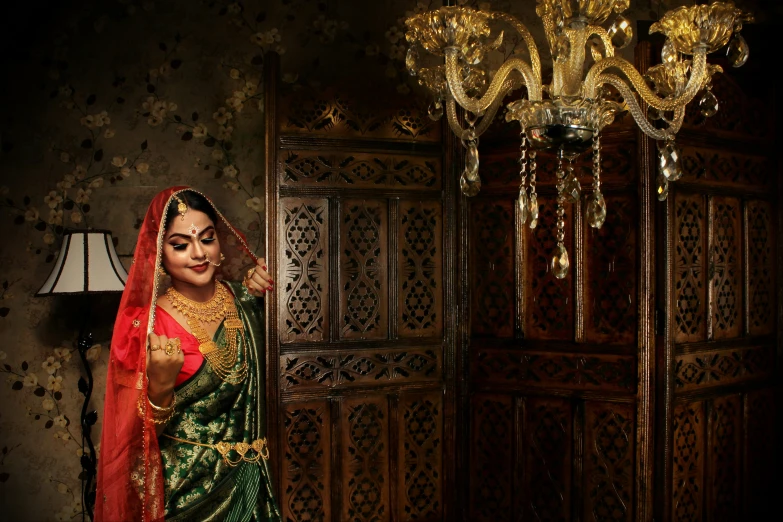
x,y
361,341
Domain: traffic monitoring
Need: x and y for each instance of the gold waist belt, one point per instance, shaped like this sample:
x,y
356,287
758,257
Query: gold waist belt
x,y
259,449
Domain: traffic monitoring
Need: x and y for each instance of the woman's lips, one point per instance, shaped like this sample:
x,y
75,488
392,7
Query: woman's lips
x,y
199,268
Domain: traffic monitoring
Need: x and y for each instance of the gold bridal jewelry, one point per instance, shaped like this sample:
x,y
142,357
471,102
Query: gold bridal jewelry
x,y
158,415
220,306
182,208
259,447
222,258
173,346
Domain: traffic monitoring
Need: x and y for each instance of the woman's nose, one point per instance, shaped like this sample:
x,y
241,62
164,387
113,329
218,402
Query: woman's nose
x,y
198,250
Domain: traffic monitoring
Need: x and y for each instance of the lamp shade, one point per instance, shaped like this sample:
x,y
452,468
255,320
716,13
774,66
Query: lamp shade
x,y
87,264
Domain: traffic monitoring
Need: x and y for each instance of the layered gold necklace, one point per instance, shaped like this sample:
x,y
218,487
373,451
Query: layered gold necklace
x,y
219,307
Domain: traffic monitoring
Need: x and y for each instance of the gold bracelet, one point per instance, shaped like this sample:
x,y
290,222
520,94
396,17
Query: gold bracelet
x,y
159,415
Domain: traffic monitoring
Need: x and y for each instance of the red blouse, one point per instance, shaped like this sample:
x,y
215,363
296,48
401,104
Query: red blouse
x,y
168,326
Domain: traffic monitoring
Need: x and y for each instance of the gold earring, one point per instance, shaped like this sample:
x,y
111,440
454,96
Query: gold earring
x,y
162,272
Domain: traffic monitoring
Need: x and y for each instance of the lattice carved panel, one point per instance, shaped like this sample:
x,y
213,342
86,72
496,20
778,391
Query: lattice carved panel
x,y
761,268
345,369
724,457
493,289
548,435
724,168
720,367
420,258
306,480
690,291
550,304
512,368
304,254
364,287
365,460
725,268
358,170
491,451
608,462
611,306
328,113
420,487
760,444
688,451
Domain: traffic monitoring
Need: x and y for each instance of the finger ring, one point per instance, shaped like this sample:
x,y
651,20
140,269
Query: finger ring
x,y
154,347
251,272
172,345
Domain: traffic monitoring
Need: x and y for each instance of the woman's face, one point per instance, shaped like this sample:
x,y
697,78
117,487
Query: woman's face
x,y
187,247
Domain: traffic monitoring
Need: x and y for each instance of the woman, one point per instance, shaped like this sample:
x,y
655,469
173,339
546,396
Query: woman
x,y
183,432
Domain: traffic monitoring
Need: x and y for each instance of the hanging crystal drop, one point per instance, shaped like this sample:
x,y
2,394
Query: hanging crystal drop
x,y
653,114
572,189
621,32
668,52
522,203
470,182
532,210
662,187
708,105
412,60
669,161
435,110
562,48
738,51
560,261
596,210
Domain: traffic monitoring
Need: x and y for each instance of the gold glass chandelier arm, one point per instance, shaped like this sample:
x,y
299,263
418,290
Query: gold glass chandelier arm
x,y
698,70
535,60
575,63
486,120
636,111
601,33
478,106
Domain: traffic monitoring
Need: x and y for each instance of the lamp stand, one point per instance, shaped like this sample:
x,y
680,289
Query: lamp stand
x,y
88,419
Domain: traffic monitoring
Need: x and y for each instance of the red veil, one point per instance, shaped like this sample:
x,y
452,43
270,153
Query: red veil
x,y
130,479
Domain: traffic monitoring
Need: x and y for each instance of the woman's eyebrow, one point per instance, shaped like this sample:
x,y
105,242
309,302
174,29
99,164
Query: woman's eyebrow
x,y
188,236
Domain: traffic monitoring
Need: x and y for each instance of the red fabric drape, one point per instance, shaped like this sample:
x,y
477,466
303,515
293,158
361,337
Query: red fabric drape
x,y
130,480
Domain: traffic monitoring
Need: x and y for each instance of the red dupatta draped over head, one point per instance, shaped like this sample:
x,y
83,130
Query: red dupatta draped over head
x,y
130,480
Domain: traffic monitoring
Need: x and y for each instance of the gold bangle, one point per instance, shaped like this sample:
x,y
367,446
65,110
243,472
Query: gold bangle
x,y
158,415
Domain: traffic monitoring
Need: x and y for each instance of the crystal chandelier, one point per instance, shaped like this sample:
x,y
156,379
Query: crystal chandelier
x,y
567,115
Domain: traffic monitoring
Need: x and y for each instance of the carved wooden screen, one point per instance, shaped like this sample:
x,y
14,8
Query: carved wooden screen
x,y
553,363
720,307
358,326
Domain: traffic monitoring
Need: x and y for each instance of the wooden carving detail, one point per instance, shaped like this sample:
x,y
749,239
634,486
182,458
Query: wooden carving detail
x,y
365,466
301,371
720,367
493,289
420,268
688,463
611,307
761,272
725,269
724,455
317,168
333,114
724,168
548,434
512,368
760,443
306,477
363,284
550,303
420,487
491,458
608,465
305,254
689,277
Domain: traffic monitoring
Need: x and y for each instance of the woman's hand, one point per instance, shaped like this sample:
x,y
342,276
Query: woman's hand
x,y
257,280
163,368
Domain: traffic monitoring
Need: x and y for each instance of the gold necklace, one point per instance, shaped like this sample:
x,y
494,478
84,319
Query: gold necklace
x,y
219,306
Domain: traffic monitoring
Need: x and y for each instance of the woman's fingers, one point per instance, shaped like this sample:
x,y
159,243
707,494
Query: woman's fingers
x,y
258,280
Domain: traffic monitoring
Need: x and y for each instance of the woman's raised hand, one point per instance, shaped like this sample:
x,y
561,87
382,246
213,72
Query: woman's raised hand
x,y
258,281
164,361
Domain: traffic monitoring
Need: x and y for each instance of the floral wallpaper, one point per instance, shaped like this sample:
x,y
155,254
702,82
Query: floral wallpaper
x,y
110,102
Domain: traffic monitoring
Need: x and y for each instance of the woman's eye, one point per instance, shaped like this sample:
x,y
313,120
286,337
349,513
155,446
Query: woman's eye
x,y
181,246
208,240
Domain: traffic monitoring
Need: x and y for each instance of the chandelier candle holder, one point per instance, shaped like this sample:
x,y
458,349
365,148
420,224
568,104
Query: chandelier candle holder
x,y
450,51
